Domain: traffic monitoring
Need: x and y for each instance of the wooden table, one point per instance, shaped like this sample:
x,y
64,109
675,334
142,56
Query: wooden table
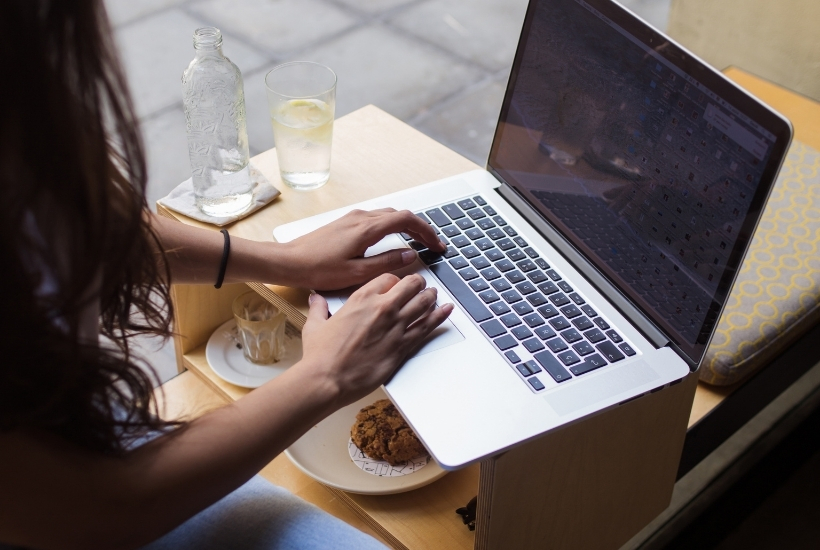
x,y
375,154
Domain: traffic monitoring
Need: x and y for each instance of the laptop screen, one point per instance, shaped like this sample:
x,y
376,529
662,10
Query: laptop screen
x,y
648,162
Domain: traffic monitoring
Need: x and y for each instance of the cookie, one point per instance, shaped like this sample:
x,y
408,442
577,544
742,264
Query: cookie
x,y
382,434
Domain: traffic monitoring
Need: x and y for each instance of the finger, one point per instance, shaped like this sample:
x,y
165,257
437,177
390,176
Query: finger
x,y
404,220
418,306
380,285
408,288
415,334
384,262
318,311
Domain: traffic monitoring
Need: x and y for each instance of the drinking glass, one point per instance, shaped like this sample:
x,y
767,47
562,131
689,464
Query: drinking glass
x,y
261,328
302,102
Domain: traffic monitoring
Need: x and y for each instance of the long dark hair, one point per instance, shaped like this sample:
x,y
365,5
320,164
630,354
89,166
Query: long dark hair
x,y
74,231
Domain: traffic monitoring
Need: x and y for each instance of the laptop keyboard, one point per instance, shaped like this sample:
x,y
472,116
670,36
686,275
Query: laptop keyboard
x,y
542,326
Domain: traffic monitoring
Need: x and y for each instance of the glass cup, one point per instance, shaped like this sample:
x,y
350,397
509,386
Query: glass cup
x,y
302,102
261,328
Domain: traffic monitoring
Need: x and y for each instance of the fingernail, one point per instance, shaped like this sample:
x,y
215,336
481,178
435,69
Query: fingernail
x,y
407,257
311,298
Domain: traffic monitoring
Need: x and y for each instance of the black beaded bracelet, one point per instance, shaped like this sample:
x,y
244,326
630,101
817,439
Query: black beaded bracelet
x,y
226,250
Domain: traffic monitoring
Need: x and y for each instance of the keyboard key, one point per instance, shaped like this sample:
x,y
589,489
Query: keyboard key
x,y
571,335
495,233
459,263
609,351
603,325
479,200
545,332
532,366
559,299
571,311
559,323
542,263
548,311
521,332
510,231
465,223
430,257
490,210
423,217
476,214
522,308
479,285
453,211
499,220
589,311
461,292
512,357
536,384
484,244
450,231
494,255
480,262
444,240
568,357
470,251
524,370
516,255
582,323
533,344
514,277
590,364
505,244
511,320
554,275
614,336
488,296
533,320
627,349
474,233
526,266
537,299
556,345
552,366
575,297
511,296
583,348
490,273
504,266
563,285
548,288
536,276
499,308
594,335
525,288
531,252
466,204
468,274
493,328
438,217
415,245
520,242
460,241
505,342
501,285
485,223
406,237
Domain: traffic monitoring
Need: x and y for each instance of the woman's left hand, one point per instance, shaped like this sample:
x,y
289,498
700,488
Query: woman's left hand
x,y
332,257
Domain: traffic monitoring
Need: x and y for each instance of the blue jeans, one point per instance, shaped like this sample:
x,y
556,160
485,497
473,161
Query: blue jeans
x,y
262,516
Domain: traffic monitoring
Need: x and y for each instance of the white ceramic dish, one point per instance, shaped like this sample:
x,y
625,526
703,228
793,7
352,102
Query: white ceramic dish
x,y
322,454
226,359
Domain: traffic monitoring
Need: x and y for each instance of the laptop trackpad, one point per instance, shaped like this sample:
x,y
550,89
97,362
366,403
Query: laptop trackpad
x,y
591,391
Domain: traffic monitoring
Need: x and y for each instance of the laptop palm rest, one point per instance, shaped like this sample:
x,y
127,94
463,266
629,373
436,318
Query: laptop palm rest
x,y
589,392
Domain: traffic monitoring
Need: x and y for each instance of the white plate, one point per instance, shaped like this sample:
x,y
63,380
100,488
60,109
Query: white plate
x,y
323,455
224,354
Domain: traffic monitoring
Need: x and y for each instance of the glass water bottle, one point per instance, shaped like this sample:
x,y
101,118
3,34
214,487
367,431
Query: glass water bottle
x,y
214,102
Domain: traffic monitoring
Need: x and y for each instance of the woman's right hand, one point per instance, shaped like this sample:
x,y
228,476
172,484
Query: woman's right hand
x,y
362,345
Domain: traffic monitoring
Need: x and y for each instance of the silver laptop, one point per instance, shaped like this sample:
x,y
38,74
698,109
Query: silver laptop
x,y
592,258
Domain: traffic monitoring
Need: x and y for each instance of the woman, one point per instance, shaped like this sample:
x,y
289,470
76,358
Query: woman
x,y
82,256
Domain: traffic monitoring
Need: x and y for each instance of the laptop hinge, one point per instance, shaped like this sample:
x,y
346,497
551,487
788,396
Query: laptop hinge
x,y
641,321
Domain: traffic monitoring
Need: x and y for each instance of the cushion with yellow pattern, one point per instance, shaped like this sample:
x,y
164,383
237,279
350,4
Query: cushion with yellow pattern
x,y
776,297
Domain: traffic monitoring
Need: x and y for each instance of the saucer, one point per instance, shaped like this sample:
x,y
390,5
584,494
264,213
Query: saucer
x,y
224,354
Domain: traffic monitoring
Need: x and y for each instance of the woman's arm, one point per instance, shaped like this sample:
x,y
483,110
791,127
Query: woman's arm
x,y
329,258
55,495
